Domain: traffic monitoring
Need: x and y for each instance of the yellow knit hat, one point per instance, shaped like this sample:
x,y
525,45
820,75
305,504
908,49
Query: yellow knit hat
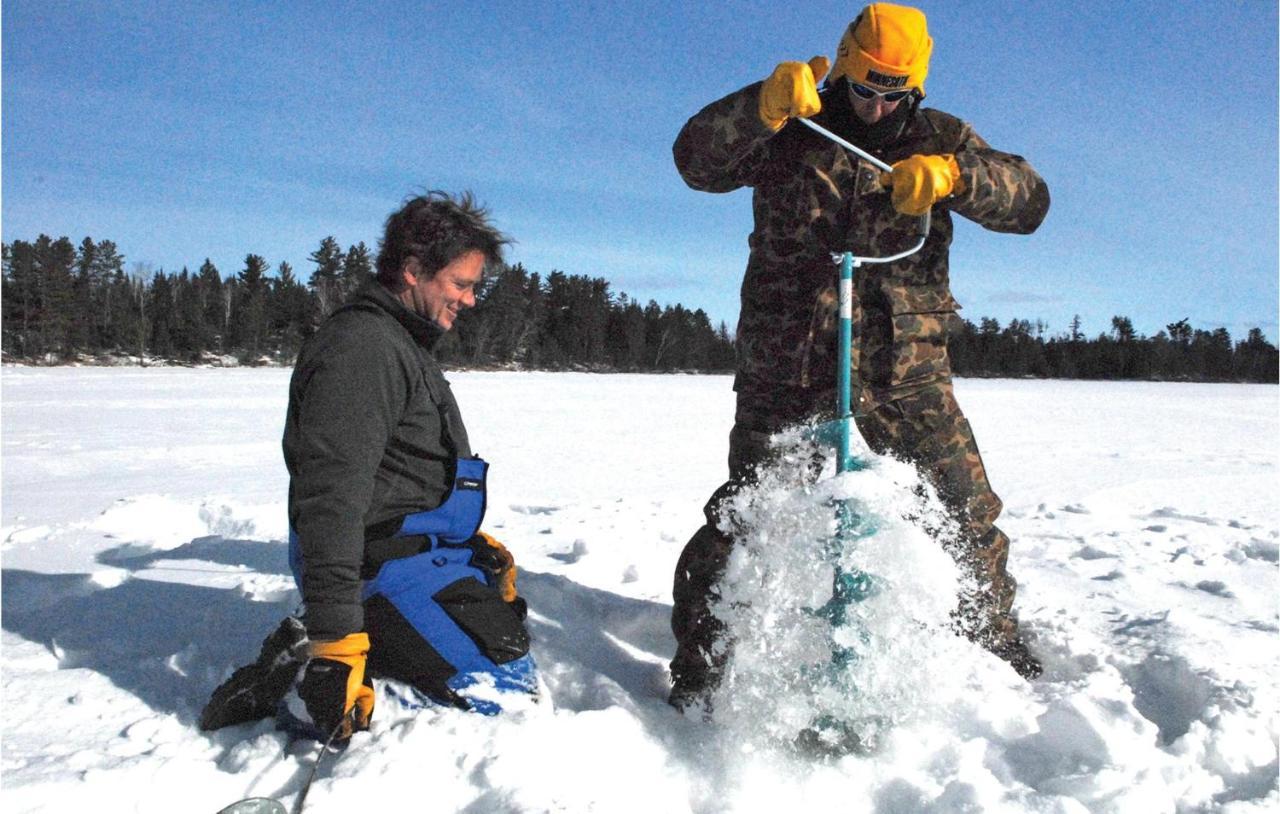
x,y
886,47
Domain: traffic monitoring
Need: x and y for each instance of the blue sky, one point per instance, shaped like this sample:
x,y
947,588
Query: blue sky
x,y
183,131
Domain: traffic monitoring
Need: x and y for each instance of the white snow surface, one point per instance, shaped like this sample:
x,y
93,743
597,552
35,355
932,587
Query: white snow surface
x,y
144,559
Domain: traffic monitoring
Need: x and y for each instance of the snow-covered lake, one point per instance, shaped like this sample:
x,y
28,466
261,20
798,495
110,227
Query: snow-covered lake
x,y
143,559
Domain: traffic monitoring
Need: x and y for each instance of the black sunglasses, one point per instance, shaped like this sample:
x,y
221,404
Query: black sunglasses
x,y
865,92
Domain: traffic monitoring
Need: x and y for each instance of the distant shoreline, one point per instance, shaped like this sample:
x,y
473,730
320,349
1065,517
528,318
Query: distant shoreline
x,y
134,363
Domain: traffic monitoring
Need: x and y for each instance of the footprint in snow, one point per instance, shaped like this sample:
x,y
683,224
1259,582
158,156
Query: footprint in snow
x,y
519,509
1133,627
1088,552
1215,587
1267,550
28,535
1170,692
1261,626
1170,513
571,556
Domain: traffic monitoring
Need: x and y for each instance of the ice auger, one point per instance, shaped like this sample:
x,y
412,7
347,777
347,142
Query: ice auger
x,y
827,734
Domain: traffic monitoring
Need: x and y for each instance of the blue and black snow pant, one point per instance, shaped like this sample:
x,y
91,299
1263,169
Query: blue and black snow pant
x,y
434,615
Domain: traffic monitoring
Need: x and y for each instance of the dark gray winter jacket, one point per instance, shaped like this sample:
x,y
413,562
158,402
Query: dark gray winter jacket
x,y
372,434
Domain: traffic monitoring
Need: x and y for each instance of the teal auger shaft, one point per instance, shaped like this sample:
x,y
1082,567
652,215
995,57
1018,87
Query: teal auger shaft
x,y
844,373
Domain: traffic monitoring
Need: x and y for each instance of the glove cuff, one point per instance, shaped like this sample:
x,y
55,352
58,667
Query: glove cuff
x,y
348,648
765,111
958,185
347,690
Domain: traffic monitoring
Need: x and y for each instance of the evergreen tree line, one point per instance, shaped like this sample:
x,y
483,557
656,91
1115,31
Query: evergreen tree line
x,y
1178,353
62,302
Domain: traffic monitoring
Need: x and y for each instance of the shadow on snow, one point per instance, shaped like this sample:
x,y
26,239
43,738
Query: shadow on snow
x,y
170,643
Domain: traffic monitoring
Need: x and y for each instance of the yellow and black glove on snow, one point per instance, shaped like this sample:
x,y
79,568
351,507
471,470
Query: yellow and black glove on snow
x,y
921,181
333,686
792,90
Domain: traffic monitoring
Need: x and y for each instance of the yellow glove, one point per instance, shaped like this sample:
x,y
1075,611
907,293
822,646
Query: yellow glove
x,y
792,90
499,562
331,692
921,181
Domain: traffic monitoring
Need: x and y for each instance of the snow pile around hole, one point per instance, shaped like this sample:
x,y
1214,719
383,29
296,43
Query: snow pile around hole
x,y
907,663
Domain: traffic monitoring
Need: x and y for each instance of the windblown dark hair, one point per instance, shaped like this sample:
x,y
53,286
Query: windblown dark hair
x,y
437,228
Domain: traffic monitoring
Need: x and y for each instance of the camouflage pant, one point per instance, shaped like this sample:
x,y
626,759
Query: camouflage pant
x,y
925,428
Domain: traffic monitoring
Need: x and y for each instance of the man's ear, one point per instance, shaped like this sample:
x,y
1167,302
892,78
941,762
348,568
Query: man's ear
x,y
410,270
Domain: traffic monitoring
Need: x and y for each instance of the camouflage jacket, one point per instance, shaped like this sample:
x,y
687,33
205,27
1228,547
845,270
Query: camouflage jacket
x,y
813,198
